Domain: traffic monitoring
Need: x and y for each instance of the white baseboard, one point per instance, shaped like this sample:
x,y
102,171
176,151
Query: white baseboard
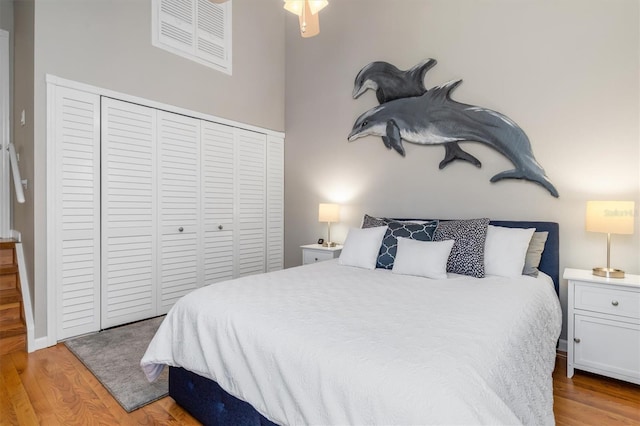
x,y
562,345
40,343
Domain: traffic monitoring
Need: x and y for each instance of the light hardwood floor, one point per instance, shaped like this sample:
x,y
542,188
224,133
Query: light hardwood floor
x,y
589,399
51,387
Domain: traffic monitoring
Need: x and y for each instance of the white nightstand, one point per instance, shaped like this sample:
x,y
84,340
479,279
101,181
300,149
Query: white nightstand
x,y
312,253
604,325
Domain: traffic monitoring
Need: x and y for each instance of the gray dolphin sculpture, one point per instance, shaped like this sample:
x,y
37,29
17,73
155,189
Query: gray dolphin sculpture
x,y
391,83
434,118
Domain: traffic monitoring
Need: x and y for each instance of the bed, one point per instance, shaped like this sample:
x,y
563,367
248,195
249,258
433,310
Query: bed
x,y
332,344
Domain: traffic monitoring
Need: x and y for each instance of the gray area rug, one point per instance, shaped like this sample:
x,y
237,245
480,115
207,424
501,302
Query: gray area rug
x,y
113,356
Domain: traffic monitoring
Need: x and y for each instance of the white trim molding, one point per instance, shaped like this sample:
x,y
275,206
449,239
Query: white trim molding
x,y
562,345
58,81
26,298
5,138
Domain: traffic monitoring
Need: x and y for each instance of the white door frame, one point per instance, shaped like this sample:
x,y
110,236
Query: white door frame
x,y
5,125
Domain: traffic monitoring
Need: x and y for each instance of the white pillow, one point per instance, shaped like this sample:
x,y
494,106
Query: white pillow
x,y
422,258
361,247
505,250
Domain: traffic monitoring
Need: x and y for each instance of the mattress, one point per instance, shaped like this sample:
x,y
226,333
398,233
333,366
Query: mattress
x,y
331,344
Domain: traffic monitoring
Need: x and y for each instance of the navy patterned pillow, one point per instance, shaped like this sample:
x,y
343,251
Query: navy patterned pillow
x,y
467,254
415,231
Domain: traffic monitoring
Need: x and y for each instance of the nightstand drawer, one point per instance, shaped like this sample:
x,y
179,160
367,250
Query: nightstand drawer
x,y
607,300
313,256
312,253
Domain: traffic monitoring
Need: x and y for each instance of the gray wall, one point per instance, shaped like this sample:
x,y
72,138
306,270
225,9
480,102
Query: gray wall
x,y
23,98
107,43
567,72
6,23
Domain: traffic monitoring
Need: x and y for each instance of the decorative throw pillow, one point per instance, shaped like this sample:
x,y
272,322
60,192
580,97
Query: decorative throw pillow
x,y
467,254
361,247
414,231
534,253
422,231
370,221
422,258
505,250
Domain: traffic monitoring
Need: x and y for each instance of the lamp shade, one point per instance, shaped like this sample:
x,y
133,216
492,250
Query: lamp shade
x,y
328,212
613,217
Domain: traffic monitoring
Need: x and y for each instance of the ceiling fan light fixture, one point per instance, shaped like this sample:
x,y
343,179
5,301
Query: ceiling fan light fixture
x,y
307,12
317,5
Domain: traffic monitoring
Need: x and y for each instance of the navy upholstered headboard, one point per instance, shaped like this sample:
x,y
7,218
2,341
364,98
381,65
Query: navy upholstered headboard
x,y
550,262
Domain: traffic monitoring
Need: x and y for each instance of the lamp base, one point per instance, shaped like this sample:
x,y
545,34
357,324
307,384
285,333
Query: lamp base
x,y
329,244
608,272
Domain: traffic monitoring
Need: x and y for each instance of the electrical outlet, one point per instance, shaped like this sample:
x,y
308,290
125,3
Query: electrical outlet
x,y
23,119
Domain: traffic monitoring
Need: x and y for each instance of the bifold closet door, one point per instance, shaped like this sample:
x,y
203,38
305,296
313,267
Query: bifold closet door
x,y
218,201
74,191
180,261
251,202
129,222
275,203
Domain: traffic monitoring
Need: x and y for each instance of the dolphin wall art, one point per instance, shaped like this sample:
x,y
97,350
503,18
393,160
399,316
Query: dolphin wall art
x,y
390,83
434,118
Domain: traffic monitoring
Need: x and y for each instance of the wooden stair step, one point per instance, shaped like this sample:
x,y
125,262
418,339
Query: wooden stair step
x,y
13,331
7,252
10,297
7,243
14,328
8,269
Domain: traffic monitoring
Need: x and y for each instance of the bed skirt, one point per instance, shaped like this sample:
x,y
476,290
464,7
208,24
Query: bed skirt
x,y
205,400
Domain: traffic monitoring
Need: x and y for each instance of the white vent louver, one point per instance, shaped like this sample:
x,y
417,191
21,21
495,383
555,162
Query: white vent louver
x,y
195,29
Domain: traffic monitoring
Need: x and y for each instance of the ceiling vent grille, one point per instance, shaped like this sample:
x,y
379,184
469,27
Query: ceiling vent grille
x,y
195,29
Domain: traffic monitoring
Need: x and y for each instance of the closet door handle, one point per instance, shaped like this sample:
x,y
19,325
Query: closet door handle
x,y
220,227
614,302
180,229
576,340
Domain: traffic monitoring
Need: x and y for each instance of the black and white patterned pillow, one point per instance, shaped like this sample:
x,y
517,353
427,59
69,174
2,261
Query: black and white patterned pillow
x,y
372,222
388,250
467,254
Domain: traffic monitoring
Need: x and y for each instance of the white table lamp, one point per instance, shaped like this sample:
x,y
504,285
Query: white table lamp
x,y
610,217
328,213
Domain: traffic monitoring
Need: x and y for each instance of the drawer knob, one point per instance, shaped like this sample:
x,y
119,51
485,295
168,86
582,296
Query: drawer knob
x,y
575,339
614,302
181,229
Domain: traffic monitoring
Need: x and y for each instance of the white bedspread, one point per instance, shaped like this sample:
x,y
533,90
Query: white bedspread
x,y
332,345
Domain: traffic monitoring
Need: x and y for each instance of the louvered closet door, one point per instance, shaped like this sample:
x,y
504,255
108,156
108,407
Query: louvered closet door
x,y
218,199
76,167
275,203
180,262
251,202
129,223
